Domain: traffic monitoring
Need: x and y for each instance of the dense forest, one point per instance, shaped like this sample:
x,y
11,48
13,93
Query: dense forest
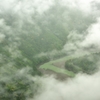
x,y
85,64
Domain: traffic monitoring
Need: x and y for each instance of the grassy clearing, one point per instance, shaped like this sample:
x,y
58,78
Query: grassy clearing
x,y
49,66
67,58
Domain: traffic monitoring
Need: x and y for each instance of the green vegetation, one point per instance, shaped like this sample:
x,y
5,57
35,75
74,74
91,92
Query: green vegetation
x,y
86,64
71,67
55,69
17,84
27,40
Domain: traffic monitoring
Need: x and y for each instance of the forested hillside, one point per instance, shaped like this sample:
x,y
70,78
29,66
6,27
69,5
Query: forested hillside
x,y
31,35
86,64
40,33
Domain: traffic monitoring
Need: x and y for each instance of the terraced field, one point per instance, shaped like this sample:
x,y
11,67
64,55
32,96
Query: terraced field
x,y
52,67
58,66
49,66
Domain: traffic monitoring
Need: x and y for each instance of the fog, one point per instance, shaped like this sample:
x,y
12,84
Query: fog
x,y
24,12
93,37
82,87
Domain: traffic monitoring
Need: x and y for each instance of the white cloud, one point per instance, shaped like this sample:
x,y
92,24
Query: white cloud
x,y
82,87
93,37
25,6
84,5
